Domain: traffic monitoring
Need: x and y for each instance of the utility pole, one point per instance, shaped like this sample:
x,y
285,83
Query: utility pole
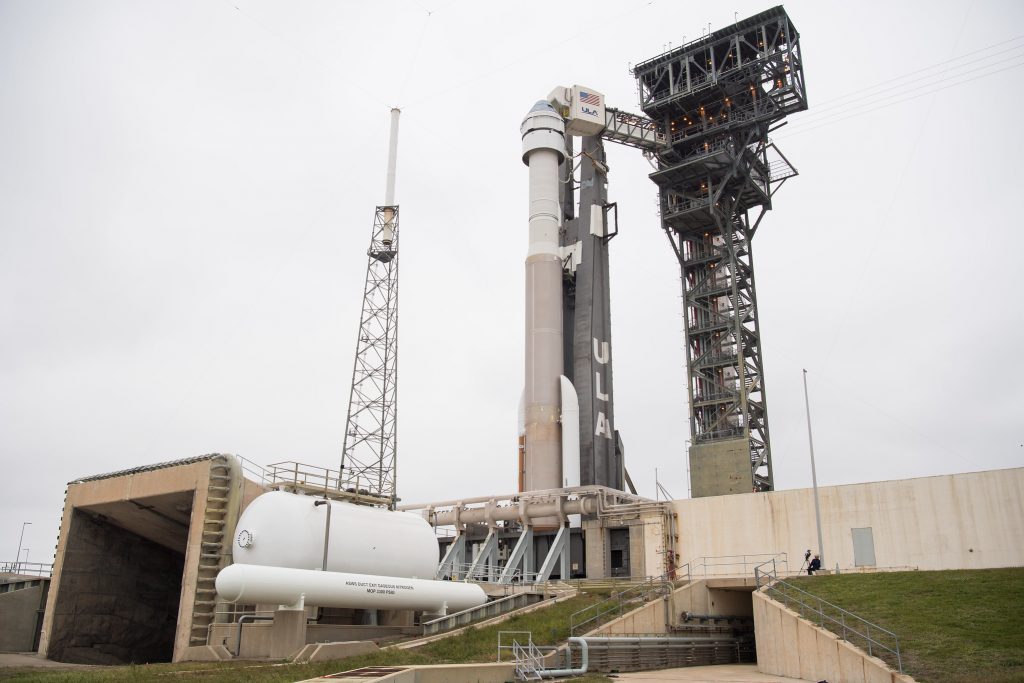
x,y
814,474
17,561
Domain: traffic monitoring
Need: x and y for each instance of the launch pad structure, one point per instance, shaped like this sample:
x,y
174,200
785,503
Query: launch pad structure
x,y
215,558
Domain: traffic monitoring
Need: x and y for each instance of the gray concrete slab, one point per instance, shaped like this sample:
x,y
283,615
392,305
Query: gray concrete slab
x,y
33,660
723,673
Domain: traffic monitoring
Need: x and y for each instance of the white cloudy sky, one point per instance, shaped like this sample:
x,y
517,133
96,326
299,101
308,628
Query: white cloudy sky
x,y
187,190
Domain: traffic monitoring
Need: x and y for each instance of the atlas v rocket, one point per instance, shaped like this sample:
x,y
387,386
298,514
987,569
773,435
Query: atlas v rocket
x,y
566,341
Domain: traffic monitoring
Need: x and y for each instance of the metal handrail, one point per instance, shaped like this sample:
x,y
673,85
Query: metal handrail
x,y
40,569
846,621
745,563
616,602
257,471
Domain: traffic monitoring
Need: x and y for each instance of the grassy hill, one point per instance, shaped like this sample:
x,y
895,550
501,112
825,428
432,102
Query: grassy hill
x,y
953,626
549,625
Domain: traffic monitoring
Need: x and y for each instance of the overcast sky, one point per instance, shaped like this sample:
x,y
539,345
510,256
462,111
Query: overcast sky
x,y
187,191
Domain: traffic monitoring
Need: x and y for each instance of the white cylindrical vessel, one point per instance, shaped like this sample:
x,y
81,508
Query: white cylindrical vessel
x,y
251,584
281,529
543,133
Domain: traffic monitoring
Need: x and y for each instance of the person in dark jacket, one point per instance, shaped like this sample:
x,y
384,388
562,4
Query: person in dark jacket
x,y
814,566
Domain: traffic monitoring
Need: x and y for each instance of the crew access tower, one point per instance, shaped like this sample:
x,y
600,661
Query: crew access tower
x,y
717,99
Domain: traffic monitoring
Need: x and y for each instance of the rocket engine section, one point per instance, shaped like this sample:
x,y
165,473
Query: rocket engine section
x,y
281,529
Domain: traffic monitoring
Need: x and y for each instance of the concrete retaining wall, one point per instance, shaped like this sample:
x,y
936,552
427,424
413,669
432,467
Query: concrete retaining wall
x,y
960,521
21,618
790,646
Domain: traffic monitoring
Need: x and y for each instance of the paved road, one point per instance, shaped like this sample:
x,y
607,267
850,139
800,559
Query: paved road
x,y
724,673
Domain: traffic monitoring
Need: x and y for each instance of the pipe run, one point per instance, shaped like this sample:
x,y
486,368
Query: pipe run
x,y
586,642
529,508
584,661
523,512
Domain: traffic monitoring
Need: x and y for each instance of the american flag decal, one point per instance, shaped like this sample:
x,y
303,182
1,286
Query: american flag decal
x,y
590,98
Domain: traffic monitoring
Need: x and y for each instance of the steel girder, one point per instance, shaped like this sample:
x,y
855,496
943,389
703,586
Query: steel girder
x,y
368,461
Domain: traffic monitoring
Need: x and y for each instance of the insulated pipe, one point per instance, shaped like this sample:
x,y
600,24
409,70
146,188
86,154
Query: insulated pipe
x,y
584,661
543,132
528,513
585,642
253,584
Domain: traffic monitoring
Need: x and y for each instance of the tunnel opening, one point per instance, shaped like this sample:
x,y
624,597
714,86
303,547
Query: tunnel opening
x,y
120,582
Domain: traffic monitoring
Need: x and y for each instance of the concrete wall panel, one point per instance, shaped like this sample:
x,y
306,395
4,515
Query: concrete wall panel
x,y
647,619
828,657
851,663
790,640
807,644
876,671
960,521
790,646
20,618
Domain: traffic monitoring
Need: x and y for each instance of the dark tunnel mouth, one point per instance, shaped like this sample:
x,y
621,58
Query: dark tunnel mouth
x,y
119,590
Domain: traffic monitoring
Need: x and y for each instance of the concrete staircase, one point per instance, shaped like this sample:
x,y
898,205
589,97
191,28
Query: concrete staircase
x,y
212,550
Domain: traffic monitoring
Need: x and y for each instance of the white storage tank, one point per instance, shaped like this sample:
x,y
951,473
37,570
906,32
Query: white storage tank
x,y
281,529
277,585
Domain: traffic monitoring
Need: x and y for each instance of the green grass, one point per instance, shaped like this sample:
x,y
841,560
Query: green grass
x,y
549,625
953,626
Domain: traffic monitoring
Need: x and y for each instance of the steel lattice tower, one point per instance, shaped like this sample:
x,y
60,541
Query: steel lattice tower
x,y
717,99
369,454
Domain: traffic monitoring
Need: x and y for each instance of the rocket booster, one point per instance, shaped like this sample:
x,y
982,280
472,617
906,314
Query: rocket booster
x,y
543,132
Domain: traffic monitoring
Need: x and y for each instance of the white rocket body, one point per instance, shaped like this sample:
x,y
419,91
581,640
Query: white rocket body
x,y
543,132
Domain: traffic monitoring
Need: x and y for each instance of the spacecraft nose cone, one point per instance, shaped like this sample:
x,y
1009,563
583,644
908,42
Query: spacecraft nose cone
x,y
542,105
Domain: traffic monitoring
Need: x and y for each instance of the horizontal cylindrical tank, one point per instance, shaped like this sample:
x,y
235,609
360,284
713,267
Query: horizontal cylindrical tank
x,y
251,584
281,529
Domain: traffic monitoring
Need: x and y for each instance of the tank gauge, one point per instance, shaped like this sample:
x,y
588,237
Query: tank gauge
x,y
244,538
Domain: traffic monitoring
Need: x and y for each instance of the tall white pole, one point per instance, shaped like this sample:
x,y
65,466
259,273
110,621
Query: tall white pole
x,y
17,563
814,474
389,193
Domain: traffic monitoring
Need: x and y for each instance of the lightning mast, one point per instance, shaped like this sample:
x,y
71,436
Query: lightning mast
x,y
368,459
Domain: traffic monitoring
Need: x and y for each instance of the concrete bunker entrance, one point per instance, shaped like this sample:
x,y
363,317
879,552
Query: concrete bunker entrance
x,y
724,608
120,583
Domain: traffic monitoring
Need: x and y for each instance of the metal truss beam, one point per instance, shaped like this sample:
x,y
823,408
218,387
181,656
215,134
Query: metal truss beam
x,y
368,462
559,552
453,557
486,559
522,555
